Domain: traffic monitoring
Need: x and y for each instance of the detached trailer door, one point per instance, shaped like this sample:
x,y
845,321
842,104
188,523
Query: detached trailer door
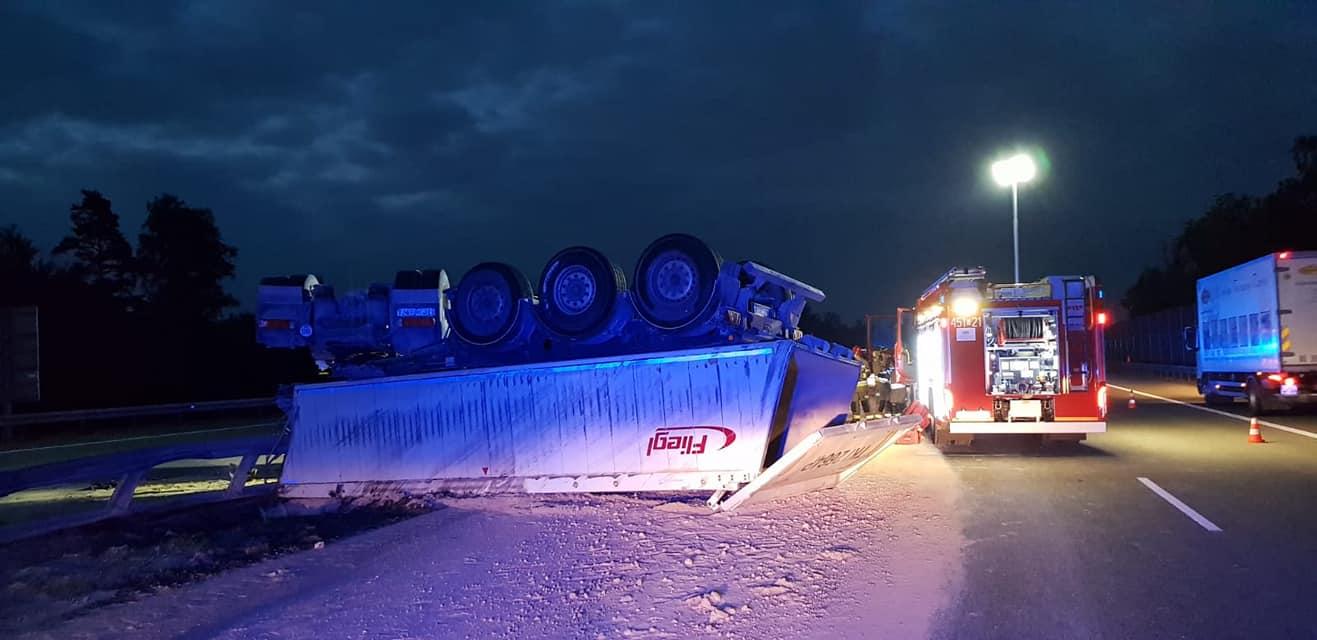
x,y
1296,290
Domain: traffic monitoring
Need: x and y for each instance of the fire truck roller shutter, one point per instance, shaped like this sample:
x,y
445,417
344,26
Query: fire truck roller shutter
x,y
676,281
1028,328
579,290
487,303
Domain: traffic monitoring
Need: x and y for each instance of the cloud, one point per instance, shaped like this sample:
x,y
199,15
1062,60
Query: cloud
x,y
842,142
413,199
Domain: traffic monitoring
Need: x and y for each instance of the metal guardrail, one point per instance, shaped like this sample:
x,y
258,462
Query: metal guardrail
x,y
1178,372
86,415
128,469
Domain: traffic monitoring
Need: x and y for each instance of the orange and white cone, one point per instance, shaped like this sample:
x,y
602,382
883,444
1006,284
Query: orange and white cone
x,y
1254,433
1131,403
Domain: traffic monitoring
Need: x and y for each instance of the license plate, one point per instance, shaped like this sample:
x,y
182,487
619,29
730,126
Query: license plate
x,y
1289,390
1026,409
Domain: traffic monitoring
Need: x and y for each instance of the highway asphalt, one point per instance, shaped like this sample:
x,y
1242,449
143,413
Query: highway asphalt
x,y
1072,544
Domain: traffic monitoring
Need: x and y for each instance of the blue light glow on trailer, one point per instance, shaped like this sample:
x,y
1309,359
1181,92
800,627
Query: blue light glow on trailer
x,y
694,357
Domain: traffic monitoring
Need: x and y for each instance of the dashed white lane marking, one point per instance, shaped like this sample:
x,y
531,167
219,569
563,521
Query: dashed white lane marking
x,y
1265,423
136,438
1184,508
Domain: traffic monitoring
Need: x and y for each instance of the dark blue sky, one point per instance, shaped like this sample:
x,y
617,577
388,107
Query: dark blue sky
x,y
844,143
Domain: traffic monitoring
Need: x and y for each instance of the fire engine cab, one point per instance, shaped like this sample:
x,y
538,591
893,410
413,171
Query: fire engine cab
x,y
1011,358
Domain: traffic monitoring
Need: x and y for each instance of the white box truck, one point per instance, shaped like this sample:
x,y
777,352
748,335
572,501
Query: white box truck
x,y
1257,332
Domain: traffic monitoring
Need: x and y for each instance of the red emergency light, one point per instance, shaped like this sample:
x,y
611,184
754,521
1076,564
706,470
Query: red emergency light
x,y
1102,317
1284,255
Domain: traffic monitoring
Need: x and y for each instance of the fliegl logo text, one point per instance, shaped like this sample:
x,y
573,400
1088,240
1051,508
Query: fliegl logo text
x,y
689,440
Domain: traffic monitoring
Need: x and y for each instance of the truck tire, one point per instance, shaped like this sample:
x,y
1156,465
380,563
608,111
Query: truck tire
x,y
1257,402
579,289
487,303
675,281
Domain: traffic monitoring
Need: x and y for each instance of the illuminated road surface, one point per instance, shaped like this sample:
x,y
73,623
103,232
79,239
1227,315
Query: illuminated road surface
x,y
1170,525
879,555
1075,545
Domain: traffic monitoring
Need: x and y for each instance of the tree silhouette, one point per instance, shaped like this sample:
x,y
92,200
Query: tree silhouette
x,y
97,351
22,272
1304,153
18,256
183,262
1234,229
101,255
829,326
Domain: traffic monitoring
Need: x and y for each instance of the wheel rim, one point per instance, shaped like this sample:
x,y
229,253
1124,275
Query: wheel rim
x,y
673,280
486,305
579,289
574,290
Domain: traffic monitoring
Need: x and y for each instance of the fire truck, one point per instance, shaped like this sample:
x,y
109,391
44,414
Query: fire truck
x,y
1021,358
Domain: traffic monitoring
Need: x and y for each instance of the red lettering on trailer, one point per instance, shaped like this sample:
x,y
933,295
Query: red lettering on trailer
x,y
666,439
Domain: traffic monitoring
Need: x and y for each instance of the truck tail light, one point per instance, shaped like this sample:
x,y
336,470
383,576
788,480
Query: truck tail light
x,y
418,323
1289,382
1102,317
1275,377
275,323
1102,400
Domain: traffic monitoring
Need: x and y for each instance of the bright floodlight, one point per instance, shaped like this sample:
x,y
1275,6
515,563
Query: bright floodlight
x,y
1016,169
964,306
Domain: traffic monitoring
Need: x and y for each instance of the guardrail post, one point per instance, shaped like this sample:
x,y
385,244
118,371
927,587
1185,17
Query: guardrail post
x,y
239,481
123,494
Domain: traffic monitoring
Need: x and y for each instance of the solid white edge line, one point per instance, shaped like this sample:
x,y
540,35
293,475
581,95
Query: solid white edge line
x,y
1266,423
135,438
1184,508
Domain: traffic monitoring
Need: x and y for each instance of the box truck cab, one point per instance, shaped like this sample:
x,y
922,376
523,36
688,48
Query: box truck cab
x,y
1257,332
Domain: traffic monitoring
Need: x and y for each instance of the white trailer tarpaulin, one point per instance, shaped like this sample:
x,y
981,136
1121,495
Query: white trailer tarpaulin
x,y
707,419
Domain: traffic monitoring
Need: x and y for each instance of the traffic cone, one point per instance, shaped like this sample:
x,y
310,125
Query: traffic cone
x,y
1132,404
1254,433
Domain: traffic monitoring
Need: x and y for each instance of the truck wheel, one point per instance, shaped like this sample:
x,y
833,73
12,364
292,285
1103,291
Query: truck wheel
x,y
676,281
578,289
486,303
1257,405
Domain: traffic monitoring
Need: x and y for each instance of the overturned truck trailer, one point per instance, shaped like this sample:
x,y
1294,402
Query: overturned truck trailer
x,y
729,397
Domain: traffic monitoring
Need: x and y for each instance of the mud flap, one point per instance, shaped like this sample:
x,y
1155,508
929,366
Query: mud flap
x,y
823,460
